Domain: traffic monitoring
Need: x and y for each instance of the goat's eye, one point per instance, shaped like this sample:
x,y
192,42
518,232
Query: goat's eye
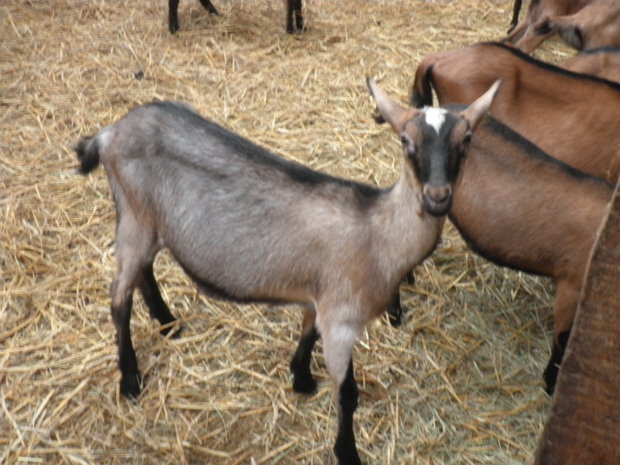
x,y
404,139
467,138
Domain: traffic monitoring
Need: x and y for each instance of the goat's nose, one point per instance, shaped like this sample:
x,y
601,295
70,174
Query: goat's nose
x,y
438,194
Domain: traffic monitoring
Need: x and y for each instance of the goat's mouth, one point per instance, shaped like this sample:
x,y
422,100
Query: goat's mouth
x,y
437,206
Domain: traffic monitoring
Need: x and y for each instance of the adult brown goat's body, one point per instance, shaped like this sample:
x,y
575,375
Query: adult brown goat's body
x,y
603,62
520,208
573,117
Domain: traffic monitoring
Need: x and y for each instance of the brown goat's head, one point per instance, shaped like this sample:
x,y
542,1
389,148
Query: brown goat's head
x,y
434,141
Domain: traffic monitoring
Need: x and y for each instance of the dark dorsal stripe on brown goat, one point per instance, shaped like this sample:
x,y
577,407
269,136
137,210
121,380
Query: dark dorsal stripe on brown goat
x,y
558,110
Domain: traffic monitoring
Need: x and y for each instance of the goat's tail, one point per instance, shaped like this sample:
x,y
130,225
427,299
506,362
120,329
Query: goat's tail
x,y
87,152
422,92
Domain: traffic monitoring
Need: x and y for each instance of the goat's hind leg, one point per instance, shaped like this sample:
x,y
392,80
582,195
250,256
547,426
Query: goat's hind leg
x,y
134,249
303,380
209,7
155,302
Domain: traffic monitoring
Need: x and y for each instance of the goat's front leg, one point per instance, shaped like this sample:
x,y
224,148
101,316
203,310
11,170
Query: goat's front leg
x,y
303,381
338,341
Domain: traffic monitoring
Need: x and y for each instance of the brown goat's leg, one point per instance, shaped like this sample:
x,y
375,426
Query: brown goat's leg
x,y
553,367
516,9
338,341
155,302
303,381
564,308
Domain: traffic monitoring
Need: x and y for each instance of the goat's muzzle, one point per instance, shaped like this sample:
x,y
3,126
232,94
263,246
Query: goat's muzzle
x,y
437,200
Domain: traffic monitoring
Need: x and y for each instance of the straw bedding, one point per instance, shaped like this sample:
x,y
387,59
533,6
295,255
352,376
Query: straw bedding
x,y
458,384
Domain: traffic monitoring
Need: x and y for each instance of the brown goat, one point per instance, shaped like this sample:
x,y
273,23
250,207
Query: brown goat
x,y
602,62
573,117
294,17
518,207
538,11
250,226
594,25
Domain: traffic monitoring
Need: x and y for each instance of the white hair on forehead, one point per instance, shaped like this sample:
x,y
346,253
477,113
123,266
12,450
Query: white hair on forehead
x,y
434,117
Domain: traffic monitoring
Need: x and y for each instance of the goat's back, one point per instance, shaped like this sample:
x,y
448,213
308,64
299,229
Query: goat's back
x,y
558,110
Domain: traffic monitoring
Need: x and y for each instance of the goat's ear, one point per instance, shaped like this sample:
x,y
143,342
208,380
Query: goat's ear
x,y
474,112
388,109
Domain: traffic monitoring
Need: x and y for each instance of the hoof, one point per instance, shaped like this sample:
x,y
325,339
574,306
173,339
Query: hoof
x,y
131,386
304,385
347,455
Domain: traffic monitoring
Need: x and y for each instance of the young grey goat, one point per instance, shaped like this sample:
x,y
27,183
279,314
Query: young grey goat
x,y
250,226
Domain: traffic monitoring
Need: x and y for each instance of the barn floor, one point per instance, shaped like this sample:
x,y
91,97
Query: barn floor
x,y
458,384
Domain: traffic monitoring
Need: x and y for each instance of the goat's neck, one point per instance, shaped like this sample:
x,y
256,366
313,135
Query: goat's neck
x,y
404,232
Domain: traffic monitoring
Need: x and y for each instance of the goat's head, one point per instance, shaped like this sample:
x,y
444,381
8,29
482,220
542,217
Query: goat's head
x,y
434,141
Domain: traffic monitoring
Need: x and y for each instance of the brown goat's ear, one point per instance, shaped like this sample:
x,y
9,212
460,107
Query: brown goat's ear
x,y
474,112
388,109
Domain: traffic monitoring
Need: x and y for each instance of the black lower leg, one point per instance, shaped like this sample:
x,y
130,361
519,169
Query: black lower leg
x,y
127,362
345,448
173,19
209,6
154,301
300,364
299,19
553,367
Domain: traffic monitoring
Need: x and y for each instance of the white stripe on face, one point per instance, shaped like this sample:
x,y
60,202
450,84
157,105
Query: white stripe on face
x,y
435,117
